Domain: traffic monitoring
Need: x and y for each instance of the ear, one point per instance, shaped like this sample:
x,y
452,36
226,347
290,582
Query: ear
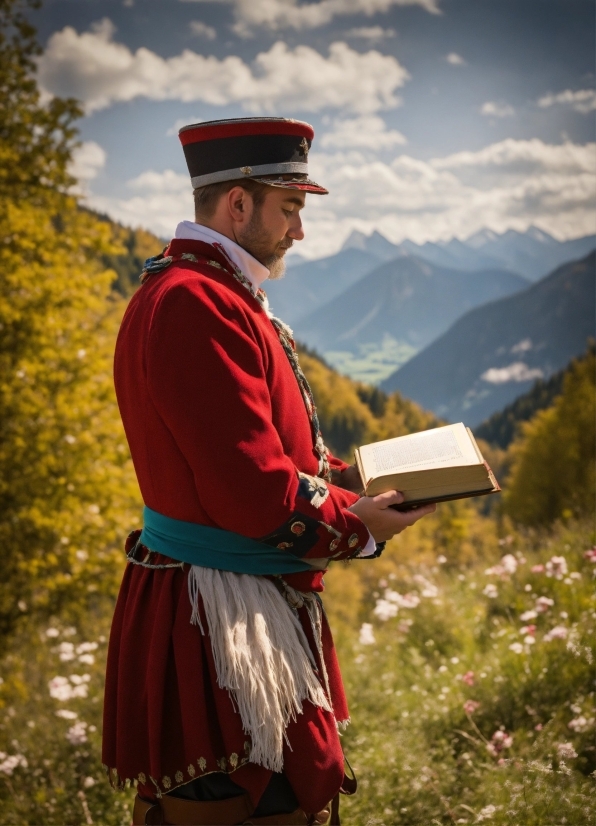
x,y
239,203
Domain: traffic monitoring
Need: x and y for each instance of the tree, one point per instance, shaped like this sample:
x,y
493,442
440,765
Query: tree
x,y
66,484
553,463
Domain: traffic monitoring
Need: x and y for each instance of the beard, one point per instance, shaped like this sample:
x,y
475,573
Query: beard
x,y
262,245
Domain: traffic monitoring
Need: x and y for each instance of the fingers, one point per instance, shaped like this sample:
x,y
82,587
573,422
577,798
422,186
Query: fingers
x,y
412,516
390,497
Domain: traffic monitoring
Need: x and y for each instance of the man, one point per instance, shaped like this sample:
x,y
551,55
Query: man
x,y
223,692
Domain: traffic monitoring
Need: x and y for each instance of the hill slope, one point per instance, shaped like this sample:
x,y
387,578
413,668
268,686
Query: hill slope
x,y
495,352
408,299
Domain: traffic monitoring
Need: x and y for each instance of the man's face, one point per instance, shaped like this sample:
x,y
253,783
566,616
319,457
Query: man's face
x,y
273,227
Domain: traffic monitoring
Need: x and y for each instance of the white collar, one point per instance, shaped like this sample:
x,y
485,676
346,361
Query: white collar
x,y
256,272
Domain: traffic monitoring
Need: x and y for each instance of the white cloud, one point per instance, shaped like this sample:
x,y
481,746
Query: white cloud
x,y
367,132
87,161
583,100
497,110
100,72
512,184
279,14
202,30
373,34
514,372
178,124
455,59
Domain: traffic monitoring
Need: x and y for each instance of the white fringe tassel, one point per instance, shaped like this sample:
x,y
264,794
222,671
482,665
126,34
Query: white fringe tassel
x,y
261,654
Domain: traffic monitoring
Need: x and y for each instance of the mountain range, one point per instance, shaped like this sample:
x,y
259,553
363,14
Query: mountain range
x,y
494,353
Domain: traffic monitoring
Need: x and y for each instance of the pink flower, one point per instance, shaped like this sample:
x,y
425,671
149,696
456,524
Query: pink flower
x,y
591,554
528,629
468,678
537,569
543,604
557,567
470,706
566,751
499,741
559,632
538,727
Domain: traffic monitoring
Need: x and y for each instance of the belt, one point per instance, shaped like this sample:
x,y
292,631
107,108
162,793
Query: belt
x,y
174,811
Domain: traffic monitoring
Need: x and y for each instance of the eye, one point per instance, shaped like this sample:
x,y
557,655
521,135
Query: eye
x,y
287,211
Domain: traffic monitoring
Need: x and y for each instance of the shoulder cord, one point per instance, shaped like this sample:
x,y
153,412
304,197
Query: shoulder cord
x,y
284,333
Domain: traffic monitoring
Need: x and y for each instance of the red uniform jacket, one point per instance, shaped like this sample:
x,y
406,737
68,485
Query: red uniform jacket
x,y
220,436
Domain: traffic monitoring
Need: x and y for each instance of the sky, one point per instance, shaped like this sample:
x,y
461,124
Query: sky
x,y
433,118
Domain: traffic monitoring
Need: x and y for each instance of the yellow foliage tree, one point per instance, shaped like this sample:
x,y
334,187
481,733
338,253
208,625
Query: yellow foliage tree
x,y
553,463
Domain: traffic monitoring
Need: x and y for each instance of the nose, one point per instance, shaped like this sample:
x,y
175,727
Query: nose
x,y
296,231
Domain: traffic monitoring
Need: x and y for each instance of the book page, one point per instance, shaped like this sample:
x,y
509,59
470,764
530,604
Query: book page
x,y
442,446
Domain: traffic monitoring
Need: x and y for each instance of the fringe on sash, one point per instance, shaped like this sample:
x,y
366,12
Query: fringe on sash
x,y
262,656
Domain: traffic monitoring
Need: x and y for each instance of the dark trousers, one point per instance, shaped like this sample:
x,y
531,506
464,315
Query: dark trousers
x,y
278,797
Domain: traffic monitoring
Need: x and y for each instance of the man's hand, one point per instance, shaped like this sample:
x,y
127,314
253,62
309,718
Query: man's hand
x,y
381,520
348,479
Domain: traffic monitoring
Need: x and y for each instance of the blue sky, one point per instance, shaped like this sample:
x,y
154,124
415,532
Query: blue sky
x,y
433,118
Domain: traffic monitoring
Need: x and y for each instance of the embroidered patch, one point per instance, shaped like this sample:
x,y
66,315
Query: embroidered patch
x,y
166,782
191,770
353,540
312,489
202,763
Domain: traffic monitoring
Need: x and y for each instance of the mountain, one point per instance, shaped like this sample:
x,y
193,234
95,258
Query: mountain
x,y
376,244
408,299
308,285
494,353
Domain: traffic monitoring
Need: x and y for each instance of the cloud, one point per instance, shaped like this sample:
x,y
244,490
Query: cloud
x,y
497,110
514,372
100,72
455,59
367,132
583,100
373,34
87,161
178,124
202,30
280,14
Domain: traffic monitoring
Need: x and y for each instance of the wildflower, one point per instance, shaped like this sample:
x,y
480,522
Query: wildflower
x,y
590,555
410,600
516,647
528,629
581,724
404,626
537,569
470,706
529,640
84,647
88,782
496,570
528,615
384,609
486,813
442,669
509,564
454,660
367,636
87,659
383,583
468,678
66,714
76,735
66,651
10,762
566,751
538,727
557,567
60,688
575,575
499,741
428,590
52,632
559,632
543,604
441,559
490,591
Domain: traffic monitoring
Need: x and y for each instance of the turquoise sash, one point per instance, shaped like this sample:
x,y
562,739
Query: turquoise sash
x,y
215,548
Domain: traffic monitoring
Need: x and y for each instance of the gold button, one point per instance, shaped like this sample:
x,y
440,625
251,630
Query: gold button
x,y
353,540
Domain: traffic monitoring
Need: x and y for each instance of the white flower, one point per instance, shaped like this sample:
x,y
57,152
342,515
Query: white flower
x,y
428,590
66,651
581,724
486,813
88,782
557,567
528,615
543,604
441,559
496,570
490,591
10,762
87,659
66,714
566,751
516,647
509,563
60,688
52,632
86,646
367,636
559,632
76,735
384,609
529,640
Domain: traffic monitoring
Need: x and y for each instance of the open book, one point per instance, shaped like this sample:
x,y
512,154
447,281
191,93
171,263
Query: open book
x,y
431,466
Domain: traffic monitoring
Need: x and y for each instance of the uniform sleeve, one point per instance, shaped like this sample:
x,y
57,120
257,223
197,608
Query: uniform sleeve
x,y
206,376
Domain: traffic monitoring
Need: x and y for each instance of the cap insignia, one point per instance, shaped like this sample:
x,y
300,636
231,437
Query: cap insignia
x,y
246,170
304,147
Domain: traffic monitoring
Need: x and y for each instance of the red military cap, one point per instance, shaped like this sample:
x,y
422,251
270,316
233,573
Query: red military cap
x,y
230,150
